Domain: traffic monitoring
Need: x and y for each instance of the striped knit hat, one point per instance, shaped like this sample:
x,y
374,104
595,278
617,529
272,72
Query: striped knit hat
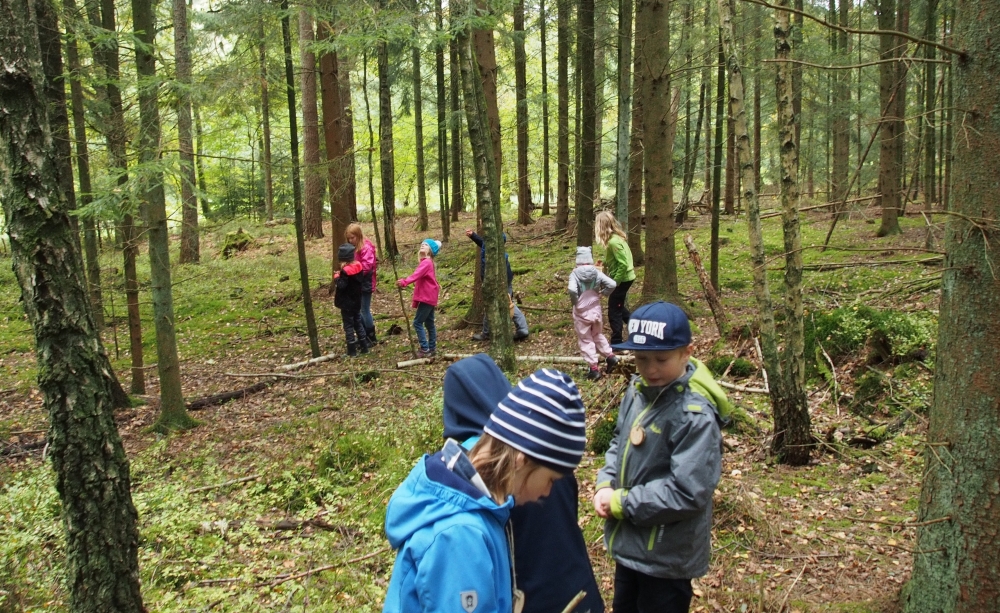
x,y
543,417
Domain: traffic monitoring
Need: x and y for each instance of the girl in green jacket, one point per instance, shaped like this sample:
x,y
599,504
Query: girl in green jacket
x,y
617,265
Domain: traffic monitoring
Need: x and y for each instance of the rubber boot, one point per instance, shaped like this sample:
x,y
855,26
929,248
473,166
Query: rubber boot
x,y
364,344
372,340
352,350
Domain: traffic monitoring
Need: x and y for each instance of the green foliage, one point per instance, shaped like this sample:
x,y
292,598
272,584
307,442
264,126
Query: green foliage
x,y
603,432
741,367
869,389
893,335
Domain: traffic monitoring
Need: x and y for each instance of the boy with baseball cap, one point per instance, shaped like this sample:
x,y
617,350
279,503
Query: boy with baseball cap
x,y
655,490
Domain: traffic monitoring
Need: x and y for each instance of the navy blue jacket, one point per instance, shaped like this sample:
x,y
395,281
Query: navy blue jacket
x,y
550,555
482,260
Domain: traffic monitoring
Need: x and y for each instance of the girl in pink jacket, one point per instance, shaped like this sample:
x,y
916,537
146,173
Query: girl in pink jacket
x,y
425,296
586,284
365,255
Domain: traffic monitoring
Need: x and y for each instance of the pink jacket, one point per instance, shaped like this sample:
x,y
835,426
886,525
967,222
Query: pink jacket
x,y
425,285
369,264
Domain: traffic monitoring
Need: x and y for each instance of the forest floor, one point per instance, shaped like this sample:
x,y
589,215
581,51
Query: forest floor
x,y
276,501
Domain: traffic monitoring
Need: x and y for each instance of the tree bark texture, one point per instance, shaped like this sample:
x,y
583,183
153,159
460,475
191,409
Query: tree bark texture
x,y
588,129
347,113
888,175
200,169
457,167
792,437
720,112
371,152
92,472
293,132
265,117
312,205
521,96
841,121
91,255
486,59
185,140
659,123
543,34
930,127
633,229
442,123
563,8
386,152
957,569
487,193
333,138
418,135
173,415
622,157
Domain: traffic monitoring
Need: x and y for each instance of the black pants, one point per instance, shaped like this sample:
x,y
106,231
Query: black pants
x,y
639,593
354,328
618,313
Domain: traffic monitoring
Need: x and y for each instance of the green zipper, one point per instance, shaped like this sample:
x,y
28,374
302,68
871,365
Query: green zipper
x,y
652,538
621,477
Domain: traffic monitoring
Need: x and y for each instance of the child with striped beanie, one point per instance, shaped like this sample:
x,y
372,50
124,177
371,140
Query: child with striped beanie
x,y
448,519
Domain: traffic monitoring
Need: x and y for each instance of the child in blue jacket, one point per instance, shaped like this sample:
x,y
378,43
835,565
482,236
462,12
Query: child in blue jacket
x,y
655,490
550,553
448,520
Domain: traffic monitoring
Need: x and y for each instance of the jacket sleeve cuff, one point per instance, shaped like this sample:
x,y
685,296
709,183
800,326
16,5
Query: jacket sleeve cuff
x,y
617,500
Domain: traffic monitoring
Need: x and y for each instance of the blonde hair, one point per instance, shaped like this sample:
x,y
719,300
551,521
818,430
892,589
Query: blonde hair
x,y
605,225
496,463
354,229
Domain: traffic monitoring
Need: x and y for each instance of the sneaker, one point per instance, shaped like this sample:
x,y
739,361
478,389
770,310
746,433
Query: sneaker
x,y
479,336
594,374
520,336
610,362
425,353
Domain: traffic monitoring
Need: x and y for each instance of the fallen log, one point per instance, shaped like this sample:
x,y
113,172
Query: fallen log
x,y
555,359
721,321
209,401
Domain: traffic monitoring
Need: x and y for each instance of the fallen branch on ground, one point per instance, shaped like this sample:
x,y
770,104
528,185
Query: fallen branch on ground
x,y
206,488
741,388
320,569
208,401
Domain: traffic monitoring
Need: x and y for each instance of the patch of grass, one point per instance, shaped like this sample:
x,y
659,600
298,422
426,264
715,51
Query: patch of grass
x,y
741,367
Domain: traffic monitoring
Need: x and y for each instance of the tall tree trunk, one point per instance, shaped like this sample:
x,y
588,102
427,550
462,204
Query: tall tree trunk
x,y
602,32
659,116
102,17
792,439
418,135
563,8
588,117
347,113
888,170
486,59
293,132
546,179
930,129
720,98
841,115
796,71
313,203
633,228
689,165
762,293
521,96
185,140
371,153
386,152
948,150
92,472
902,78
487,194
956,570
457,171
91,253
442,122
199,168
333,138
622,161
173,415
265,115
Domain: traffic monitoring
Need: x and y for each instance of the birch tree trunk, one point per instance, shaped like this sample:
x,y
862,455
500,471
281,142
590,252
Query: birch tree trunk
x,y
173,415
92,472
958,567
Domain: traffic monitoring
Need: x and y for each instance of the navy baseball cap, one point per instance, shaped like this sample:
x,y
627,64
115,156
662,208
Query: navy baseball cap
x,y
657,326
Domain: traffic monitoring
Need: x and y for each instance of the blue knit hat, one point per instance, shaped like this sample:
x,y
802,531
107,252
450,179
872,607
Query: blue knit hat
x,y
543,417
473,387
435,245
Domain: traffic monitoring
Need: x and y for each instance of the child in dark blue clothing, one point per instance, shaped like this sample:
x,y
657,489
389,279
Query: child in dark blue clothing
x,y
550,554
348,300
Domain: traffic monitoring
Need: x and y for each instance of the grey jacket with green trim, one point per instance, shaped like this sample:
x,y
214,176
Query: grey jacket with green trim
x,y
662,504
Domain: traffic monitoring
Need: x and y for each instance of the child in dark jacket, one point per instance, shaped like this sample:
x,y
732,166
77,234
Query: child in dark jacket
x,y
521,330
348,300
664,462
550,555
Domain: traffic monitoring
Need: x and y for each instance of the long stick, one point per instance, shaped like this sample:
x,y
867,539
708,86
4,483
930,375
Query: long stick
x,y
576,600
402,307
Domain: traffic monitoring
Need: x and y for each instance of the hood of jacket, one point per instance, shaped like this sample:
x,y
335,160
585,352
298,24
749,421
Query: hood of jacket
x,y
587,276
431,494
472,389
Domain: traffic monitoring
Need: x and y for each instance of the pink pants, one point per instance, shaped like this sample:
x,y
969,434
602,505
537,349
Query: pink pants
x,y
590,335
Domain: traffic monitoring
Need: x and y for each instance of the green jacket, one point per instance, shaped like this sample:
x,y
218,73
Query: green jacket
x,y
618,260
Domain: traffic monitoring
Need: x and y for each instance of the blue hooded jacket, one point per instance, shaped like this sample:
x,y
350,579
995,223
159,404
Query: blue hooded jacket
x,y
452,553
550,555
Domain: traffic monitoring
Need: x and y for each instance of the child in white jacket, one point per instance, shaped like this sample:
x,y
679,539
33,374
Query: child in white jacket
x,y
586,285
